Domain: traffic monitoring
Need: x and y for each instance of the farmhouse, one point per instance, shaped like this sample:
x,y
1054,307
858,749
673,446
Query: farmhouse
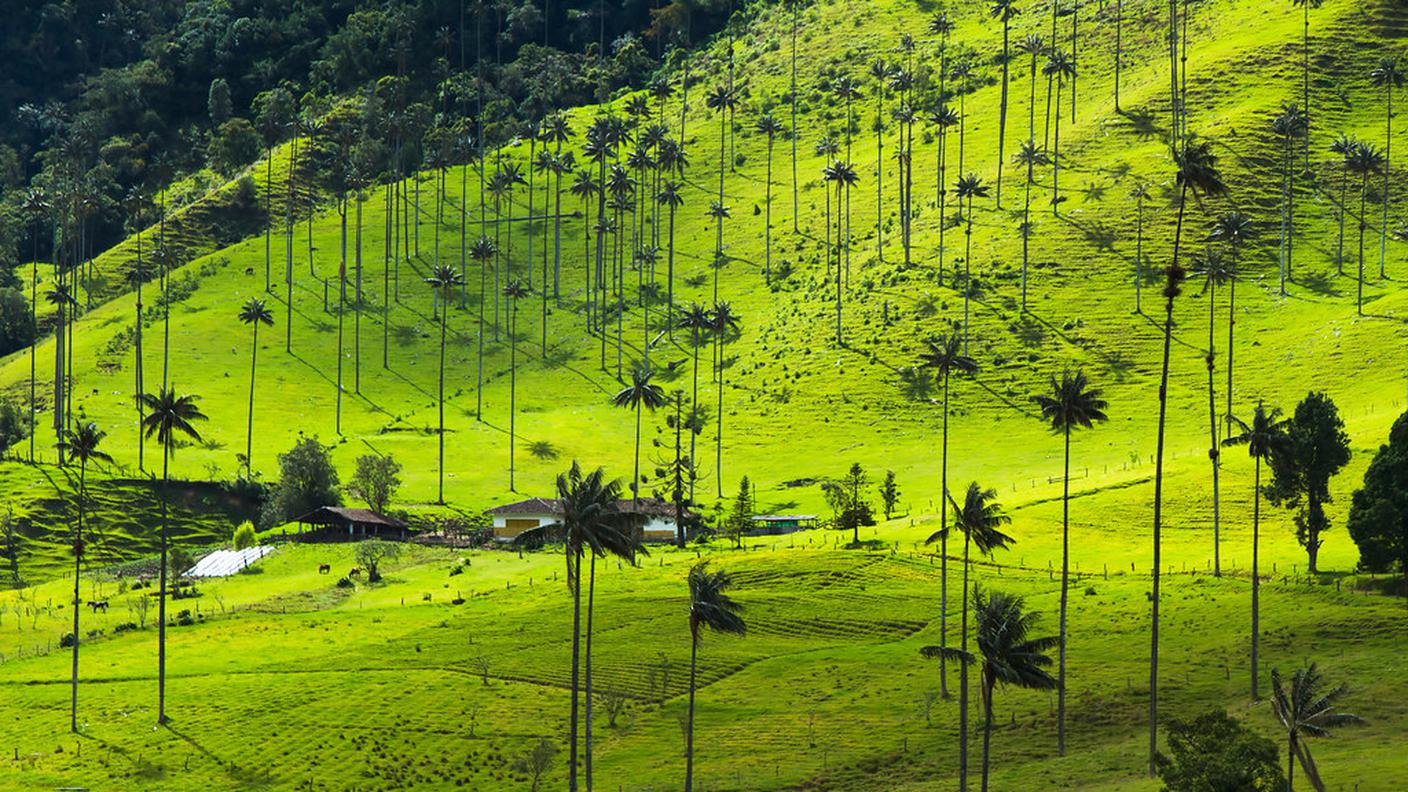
x,y
773,524
340,523
512,519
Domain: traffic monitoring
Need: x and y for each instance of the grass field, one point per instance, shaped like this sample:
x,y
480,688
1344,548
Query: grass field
x,y
290,681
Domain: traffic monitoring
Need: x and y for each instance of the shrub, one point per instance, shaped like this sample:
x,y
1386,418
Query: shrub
x,y
185,619
67,641
124,627
344,583
244,536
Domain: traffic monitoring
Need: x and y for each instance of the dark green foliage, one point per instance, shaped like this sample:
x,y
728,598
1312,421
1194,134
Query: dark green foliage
x,y
372,553
849,506
16,329
1378,516
14,424
234,145
1215,753
307,480
1316,448
889,493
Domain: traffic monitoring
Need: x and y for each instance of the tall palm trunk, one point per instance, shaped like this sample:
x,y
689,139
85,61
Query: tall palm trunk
x,y
793,130
513,395
767,225
1388,162
988,683
967,270
1363,197
574,560
943,551
1065,599
77,601
249,422
670,273
440,398
1119,24
1231,329
689,723
1002,105
1158,495
694,409
1056,156
587,661
1214,455
963,676
719,430
161,584
1256,583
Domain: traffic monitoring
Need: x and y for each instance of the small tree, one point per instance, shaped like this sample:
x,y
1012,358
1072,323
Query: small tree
x,y
376,480
372,553
740,515
1315,449
10,543
179,561
889,494
307,481
1215,753
244,536
537,761
849,507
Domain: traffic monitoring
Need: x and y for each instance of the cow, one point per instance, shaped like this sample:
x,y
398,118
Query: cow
x,y
324,569
355,572
98,605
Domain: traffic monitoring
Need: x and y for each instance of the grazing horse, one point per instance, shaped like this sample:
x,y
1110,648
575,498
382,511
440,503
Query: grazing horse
x,y
324,569
355,572
98,605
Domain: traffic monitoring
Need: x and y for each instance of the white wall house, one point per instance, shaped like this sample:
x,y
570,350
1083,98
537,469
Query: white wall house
x,y
512,519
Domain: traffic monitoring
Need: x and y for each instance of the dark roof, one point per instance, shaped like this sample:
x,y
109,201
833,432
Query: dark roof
x,y
342,515
783,517
553,506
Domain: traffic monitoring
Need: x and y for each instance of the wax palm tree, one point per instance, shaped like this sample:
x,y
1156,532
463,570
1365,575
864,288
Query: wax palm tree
x,y
1140,194
711,607
769,126
1306,5
670,197
942,119
1030,156
1306,709
482,251
1343,145
697,320
881,70
513,292
1059,67
968,188
1233,230
1263,436
1007,652
1071,404
723,322
842,175
979,518
1215,272
1363,161
1388,76
254,313
36,206
169,417
80,445
1291,124
904,155
642,393
1004,11
1033,46
945,357
722,100
591,522
442,280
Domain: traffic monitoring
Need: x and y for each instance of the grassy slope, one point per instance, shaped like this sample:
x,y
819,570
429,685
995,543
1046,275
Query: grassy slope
x,y
832,406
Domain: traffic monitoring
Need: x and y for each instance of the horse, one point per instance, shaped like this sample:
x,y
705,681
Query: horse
x,y
324,569
98,605
355,572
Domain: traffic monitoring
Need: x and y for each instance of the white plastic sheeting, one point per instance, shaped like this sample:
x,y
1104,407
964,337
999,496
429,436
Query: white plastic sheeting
x,y
223,563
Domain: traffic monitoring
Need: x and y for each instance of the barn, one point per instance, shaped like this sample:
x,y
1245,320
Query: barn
x,y
345,524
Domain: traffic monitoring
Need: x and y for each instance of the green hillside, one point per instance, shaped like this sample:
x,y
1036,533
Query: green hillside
x,y
290,682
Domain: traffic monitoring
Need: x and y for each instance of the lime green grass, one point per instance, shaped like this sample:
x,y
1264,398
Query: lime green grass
x,y
290,678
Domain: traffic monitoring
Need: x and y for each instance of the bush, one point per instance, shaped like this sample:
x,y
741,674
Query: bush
x,y
1214,752
16,330
67,641
185,619
234,146
124,627
244,536
14,425
344,582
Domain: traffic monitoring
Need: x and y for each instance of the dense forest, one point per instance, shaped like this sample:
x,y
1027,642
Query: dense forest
x,y
116,99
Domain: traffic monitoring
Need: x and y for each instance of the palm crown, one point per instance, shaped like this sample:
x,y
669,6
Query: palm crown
x,y
945,356
1072,403
170,415
1265,433
641,392
255,311
979,517
709,603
